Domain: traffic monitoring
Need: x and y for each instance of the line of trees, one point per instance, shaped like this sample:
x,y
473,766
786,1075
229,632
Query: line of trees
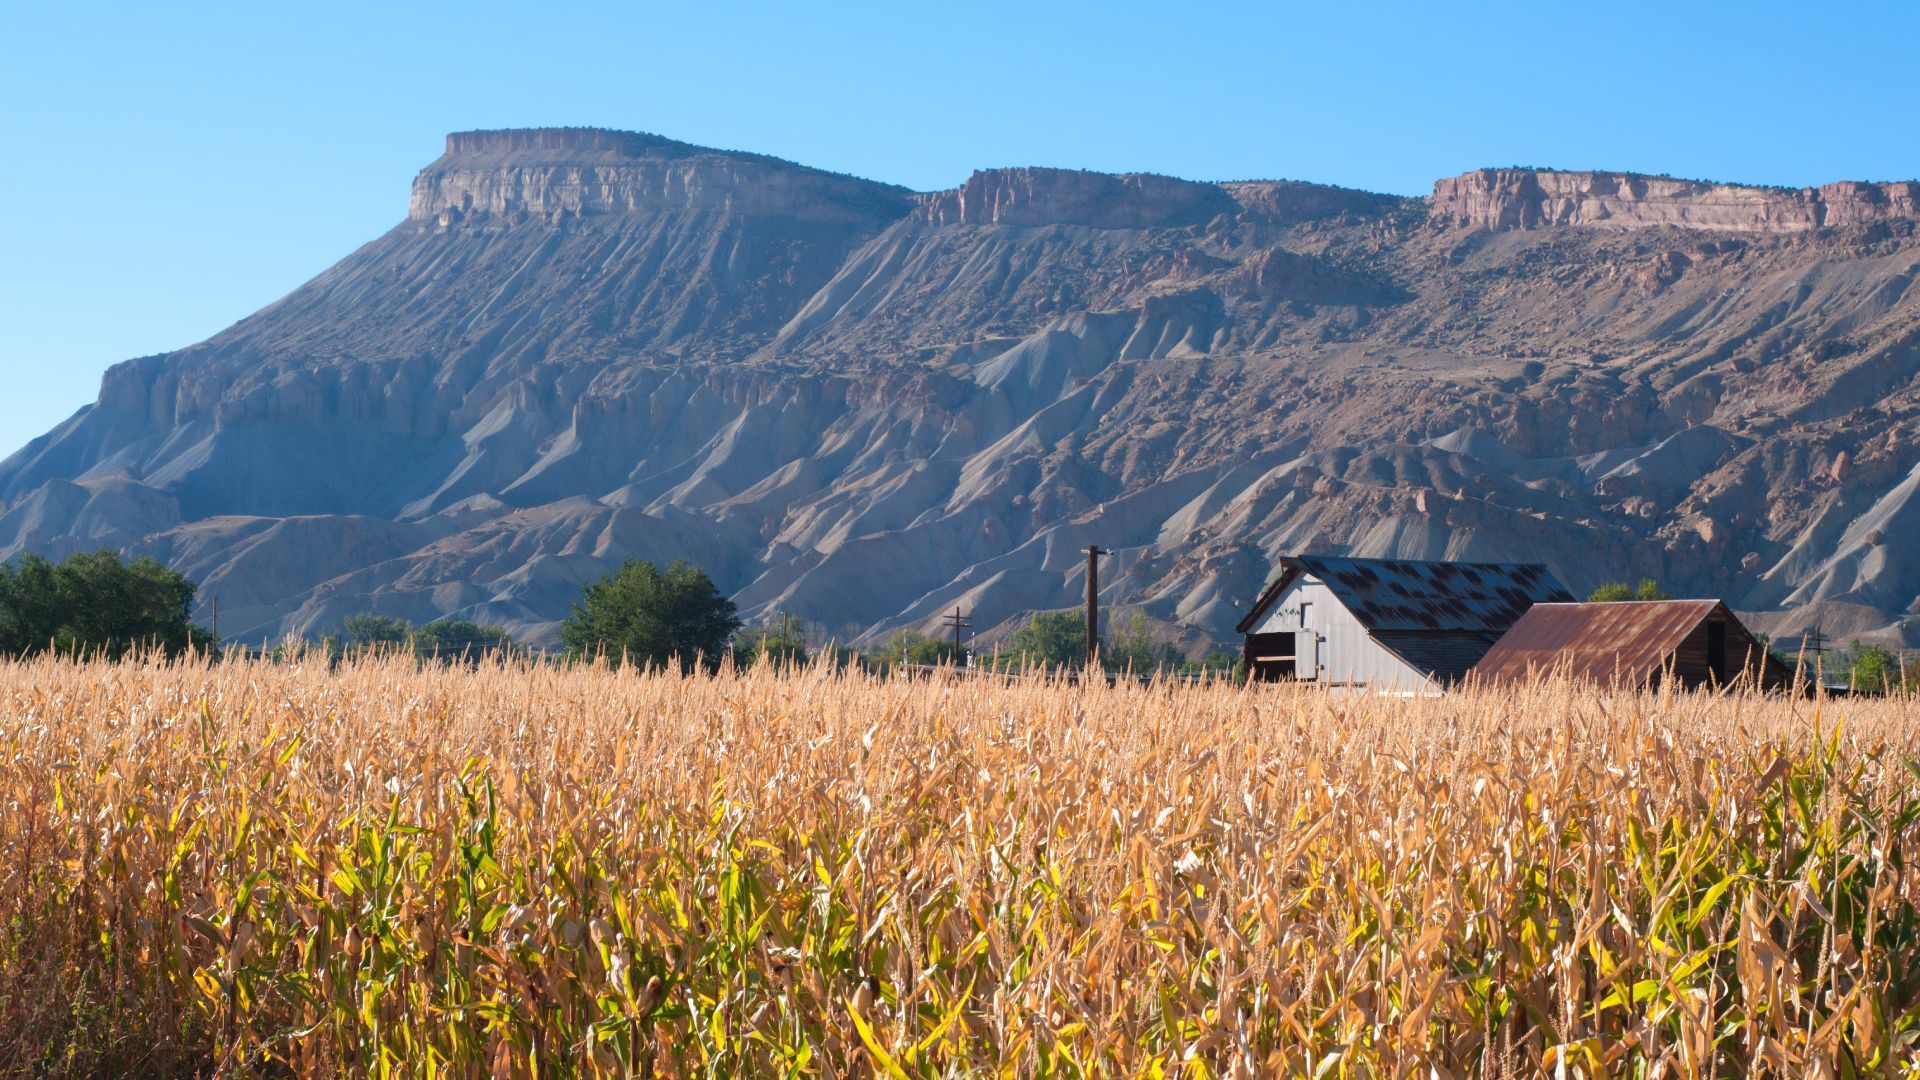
x,y
96,604
441,639
99,604
1058,639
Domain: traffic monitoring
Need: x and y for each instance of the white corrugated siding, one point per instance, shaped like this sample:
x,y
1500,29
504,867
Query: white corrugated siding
x,y
1348,655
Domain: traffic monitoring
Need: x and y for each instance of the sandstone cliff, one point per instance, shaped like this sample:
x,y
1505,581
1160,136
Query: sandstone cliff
x,y
863,405
1530,199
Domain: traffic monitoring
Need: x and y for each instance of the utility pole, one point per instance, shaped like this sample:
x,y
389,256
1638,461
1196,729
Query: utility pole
x,y
1094,552
958,622
216,620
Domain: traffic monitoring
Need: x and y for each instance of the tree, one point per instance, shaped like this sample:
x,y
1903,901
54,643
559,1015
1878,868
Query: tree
x,y
1614,592
1874,669
640,614
367,631
1049,639
455,639
1218,662
780,645
441,639
97,603
913,648
1133,646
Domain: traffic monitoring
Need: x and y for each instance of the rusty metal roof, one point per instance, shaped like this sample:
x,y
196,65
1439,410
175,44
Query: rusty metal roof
x,y
1403,594
1622,642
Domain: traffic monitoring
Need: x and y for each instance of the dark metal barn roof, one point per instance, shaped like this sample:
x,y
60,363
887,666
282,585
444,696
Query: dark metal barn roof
x,y
1403,594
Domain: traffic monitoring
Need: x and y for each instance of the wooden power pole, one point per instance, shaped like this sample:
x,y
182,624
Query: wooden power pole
x,y
958,622
1094,552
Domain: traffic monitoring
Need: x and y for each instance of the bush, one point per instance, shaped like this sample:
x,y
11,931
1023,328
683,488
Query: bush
x,y
96,603
642,615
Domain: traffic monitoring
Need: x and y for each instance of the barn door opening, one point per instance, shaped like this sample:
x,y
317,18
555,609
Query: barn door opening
x,y
1717,649
1270,657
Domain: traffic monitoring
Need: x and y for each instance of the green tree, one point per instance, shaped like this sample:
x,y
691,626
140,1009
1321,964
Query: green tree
x,y
1874,669
367,631
640,614
1133,646
1614,592
96,602
441,639
912,648
1049,639
1219,662
454,639
782,644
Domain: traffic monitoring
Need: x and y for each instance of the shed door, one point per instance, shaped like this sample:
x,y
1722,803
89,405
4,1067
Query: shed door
x,y
1306,655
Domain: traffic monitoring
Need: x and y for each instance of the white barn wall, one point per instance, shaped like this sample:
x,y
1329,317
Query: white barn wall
x,y
1348,655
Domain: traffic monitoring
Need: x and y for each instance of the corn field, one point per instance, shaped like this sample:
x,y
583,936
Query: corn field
x,y
253,868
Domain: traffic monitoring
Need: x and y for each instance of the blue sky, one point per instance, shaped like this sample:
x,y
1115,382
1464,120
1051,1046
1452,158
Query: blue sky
x,y
172,168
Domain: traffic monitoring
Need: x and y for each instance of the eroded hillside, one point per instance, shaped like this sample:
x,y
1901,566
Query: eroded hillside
x,y
863,405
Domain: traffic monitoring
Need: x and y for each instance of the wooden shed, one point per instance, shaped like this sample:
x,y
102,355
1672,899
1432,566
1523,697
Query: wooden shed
x,y
1397,625
1632,643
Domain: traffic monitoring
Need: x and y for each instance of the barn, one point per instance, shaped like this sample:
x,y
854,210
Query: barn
x,y
1386,624
1632,643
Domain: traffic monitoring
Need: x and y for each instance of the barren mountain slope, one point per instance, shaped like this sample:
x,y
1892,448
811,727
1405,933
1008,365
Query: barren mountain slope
x,y
864,406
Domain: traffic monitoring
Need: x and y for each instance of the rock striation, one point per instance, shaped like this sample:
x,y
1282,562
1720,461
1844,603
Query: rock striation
x,y
1531,198
862,406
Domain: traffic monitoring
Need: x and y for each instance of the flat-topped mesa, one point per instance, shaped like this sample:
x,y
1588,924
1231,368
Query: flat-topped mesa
x,y
1034,196
1503,199
551,174
1295,200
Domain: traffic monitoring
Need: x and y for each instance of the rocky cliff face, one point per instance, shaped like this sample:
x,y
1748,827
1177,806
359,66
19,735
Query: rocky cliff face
x,y
554,174
1530,199
863,406
1070,197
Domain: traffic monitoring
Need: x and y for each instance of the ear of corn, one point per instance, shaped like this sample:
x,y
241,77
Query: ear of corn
x,y
279,869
